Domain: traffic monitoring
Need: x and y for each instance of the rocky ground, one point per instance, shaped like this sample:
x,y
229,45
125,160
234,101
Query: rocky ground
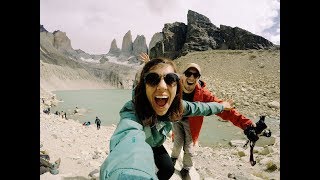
x,y
251,78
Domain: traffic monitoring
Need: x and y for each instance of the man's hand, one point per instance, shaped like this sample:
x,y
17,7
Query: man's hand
x,y
144,57
228,105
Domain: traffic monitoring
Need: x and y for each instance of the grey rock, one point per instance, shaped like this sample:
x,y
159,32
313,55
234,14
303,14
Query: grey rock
x,y
139,46
114,50
127,45
157,37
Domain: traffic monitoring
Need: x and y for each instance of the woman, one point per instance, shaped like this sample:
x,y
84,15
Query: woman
x,y
137,143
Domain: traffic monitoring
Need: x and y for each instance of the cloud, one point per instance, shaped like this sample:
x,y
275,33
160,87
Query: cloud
x,y
92,25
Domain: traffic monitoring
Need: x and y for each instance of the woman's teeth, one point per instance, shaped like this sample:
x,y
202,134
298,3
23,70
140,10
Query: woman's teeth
x,y
161,96
161,100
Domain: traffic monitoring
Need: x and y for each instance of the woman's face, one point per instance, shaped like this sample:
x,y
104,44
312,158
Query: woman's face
x,y
161,95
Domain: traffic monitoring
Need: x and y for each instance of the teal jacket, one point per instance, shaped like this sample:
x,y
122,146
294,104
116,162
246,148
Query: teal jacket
x,y
131,155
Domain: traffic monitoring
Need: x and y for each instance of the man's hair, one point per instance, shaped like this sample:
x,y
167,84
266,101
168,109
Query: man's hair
x,y
142,106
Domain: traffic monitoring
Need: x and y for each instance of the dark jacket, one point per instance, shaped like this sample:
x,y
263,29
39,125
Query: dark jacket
x,y
97,121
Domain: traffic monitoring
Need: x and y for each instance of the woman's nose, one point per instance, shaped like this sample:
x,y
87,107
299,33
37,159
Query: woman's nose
x,y
162,84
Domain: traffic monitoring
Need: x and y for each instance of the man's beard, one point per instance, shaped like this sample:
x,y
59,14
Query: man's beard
x,y
188,88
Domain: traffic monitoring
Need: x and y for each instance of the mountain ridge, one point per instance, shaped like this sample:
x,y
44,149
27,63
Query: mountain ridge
x,y
118,66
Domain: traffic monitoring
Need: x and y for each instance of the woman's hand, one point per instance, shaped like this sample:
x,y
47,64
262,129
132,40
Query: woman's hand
x,y
144,57
228,105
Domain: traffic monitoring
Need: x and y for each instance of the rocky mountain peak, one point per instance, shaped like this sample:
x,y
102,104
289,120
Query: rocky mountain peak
x,y
201,35
42,29
198,19
127,44
114,50
238,38
130,50
139,45
155,38
61,40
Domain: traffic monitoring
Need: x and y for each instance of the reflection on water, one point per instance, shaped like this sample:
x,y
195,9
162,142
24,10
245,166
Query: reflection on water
x,y
106,104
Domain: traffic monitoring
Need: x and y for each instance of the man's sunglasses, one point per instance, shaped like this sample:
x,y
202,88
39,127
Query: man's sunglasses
x,y
189,73
153,79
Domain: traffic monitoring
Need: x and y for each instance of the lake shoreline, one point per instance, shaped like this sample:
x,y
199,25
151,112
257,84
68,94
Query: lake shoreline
x,y
83,149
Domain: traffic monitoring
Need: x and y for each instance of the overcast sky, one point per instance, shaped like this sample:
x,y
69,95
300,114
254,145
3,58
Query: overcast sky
x,y
91,25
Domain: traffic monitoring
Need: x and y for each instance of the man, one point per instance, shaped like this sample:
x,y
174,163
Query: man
x,y
76,110
186,131
98,122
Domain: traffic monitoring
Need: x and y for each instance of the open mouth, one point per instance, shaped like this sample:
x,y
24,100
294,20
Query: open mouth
x,y
161,100
190,83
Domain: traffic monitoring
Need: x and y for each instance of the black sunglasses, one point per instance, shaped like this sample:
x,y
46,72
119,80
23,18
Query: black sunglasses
x,y
189,73
154,79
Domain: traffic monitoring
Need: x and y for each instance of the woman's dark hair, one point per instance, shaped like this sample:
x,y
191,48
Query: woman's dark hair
x,y
142,106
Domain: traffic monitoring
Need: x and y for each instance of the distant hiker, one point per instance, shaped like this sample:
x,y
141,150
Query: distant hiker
x,y
65,115
57,113
98,122
76,110
86,123
47,111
